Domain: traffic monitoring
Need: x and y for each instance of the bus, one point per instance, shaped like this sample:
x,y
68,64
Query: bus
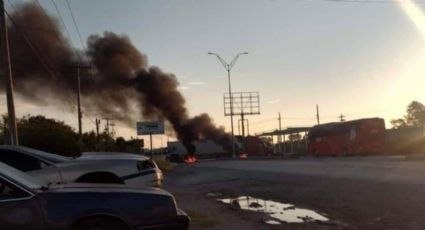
x,y
357,137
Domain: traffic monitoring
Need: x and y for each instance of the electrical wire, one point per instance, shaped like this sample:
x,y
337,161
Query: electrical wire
x,y
87,115
75,23
61,19
38,3
39,56
30,44
369,1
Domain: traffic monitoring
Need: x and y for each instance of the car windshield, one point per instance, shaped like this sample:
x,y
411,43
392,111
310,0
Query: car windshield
x,y
21,177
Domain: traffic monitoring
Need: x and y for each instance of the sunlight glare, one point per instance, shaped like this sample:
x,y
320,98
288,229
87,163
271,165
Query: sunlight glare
x,y
415,14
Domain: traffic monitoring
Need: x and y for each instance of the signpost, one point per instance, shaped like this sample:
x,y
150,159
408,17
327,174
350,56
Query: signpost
x,y
150,128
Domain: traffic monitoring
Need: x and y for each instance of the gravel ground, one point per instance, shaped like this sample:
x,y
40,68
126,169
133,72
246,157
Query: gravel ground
x,y
354,193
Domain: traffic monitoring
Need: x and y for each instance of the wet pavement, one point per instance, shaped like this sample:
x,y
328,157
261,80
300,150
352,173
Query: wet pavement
x,y
275,212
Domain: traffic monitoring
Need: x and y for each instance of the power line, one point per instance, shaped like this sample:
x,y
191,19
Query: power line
x,y
79,36
48,68
378,1
29,43
75,24
61,19
38,3
70,39
11,4
372,1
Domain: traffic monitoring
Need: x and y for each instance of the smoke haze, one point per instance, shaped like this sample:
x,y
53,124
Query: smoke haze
x,y
123,86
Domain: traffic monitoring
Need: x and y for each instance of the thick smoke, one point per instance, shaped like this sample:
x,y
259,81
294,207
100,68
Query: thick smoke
x,y
123,86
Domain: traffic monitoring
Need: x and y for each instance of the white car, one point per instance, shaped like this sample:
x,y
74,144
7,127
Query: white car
x,y
102,167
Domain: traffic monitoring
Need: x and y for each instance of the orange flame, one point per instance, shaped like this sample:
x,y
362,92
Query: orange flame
x,y
243,155
190,160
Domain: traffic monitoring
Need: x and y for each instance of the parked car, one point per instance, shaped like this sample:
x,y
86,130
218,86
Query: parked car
x,y
29,203
122,168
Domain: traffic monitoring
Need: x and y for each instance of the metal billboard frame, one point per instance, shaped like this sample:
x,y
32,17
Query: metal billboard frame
x,y
241,103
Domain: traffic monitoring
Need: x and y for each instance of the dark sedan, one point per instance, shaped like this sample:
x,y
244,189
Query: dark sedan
x,y
26,203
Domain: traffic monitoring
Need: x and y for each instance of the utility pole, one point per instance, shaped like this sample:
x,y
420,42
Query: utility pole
x,y
317,115
247,126
6,71
243,124
150,142
341,118
107,125
97,127
80,115
228,67
112,124
279,139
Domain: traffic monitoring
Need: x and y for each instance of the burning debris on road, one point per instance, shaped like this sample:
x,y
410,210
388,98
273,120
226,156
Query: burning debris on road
x,y
124,86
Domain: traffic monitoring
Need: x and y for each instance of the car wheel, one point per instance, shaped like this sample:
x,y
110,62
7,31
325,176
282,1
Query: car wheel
x,y
100,223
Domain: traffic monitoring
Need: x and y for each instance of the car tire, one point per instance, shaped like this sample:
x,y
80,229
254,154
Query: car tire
x,y
100,223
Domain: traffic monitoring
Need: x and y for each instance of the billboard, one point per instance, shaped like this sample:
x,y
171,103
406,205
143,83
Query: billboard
x,y
150,127
246,103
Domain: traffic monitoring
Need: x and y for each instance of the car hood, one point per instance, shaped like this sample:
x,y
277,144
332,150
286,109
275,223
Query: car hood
x,y
109,156
107,188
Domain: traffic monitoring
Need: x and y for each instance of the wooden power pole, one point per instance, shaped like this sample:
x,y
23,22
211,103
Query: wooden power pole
x,y
79,67
107,125
317,115
279,139
97,127
6,72
341,118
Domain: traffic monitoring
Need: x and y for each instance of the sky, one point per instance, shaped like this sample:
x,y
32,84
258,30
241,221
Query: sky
x,y
351,58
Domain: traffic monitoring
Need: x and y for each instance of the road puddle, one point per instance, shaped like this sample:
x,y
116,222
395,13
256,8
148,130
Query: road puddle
x,y
276,212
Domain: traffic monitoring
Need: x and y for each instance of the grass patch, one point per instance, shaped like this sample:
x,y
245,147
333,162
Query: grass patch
x,y
202,220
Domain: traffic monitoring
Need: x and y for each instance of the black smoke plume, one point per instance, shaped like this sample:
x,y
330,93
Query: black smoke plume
x,y
123,86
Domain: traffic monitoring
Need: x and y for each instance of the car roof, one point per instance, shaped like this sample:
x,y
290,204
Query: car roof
x,y
55,158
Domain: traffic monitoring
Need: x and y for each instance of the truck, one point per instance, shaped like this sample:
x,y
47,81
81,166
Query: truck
x,y
204,149
254,145
357,137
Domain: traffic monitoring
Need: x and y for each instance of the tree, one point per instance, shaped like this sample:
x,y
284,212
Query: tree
x,y
49,135
294,137
55,136
415,116
398,123
90,141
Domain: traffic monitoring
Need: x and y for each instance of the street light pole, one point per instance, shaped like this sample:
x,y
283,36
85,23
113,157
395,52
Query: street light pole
x,y
231,113
228,67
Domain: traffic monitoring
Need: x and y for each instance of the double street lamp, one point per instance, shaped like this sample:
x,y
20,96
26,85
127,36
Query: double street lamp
x,y
228,67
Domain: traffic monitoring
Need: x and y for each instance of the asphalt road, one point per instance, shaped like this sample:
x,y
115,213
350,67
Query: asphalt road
x,y
355,193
